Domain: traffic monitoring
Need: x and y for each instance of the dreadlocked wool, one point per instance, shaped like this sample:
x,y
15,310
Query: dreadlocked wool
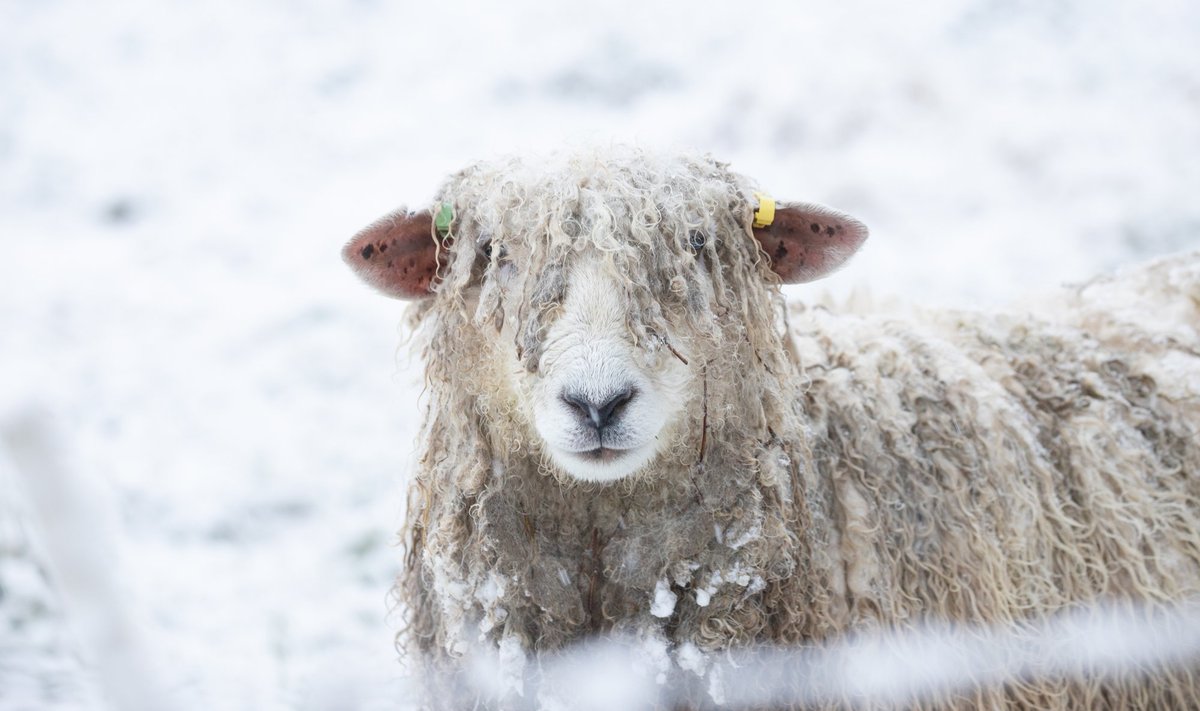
x,y
831,471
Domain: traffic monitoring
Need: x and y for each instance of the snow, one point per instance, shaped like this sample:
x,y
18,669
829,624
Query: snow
x,y
873,670
77,541
512,661
691,659
664,600
741,538
176,181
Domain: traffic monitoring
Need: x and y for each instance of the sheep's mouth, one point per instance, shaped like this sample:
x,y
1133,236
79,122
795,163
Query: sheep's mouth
x,y
602,463
602,455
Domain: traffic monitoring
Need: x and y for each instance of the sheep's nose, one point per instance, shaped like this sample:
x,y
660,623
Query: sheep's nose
x,y
599,414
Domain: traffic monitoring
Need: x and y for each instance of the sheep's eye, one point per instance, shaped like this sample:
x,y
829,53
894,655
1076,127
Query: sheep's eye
x,y
485,248
696,240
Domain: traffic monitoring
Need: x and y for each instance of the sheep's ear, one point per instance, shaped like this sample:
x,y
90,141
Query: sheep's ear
x,y
397,255
806,241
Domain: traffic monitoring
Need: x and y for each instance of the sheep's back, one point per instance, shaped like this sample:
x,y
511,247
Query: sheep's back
x,y
989,466
999,467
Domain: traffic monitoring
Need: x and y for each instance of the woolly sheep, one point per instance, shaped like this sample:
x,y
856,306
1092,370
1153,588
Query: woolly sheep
x,y
627,432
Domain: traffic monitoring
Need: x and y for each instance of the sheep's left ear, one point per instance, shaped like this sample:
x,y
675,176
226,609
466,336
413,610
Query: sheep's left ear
x,y
806,241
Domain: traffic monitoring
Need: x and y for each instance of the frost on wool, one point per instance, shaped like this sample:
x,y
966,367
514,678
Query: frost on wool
x,y
664,600
805,472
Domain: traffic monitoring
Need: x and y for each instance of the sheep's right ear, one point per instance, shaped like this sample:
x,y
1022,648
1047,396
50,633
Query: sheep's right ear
x,y
397,255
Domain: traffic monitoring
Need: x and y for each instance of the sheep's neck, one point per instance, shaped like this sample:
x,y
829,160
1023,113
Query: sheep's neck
x,y
586,556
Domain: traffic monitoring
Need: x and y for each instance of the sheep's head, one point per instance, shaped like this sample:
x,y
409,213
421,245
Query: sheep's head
x,y
591,296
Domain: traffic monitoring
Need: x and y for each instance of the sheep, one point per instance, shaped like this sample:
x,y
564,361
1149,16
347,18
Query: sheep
x,y
627,431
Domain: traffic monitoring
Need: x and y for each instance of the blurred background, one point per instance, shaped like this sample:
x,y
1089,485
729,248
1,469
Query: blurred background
x,y
235,416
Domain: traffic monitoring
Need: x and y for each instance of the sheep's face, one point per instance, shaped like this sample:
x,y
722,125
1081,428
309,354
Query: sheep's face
x,y
601,328
597,297
603,406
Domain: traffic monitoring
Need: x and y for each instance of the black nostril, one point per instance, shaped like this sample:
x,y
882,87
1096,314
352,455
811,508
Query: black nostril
x,y
600,414
579,404
613,407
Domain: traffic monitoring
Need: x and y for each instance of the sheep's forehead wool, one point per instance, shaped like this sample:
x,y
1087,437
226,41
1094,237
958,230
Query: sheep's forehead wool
x,y
614,201
662,226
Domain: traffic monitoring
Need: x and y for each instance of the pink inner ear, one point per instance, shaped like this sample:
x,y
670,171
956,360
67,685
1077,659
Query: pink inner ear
x,y
807,242
397,255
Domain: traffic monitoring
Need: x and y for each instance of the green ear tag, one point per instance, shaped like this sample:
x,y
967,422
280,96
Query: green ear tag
x,y
444,217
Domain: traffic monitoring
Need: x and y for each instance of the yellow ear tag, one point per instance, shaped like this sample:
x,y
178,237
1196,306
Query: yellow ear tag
x,y
765,214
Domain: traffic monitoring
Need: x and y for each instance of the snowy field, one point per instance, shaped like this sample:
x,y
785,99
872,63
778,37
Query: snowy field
x,y
236,422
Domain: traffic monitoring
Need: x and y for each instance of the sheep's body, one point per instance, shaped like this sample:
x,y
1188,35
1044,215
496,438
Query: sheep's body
x,y
854,472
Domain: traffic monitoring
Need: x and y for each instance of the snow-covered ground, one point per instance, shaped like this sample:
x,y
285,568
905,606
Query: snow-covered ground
x,y
176,180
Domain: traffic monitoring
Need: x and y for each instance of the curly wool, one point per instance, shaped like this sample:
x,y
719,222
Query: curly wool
x,y
856,472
